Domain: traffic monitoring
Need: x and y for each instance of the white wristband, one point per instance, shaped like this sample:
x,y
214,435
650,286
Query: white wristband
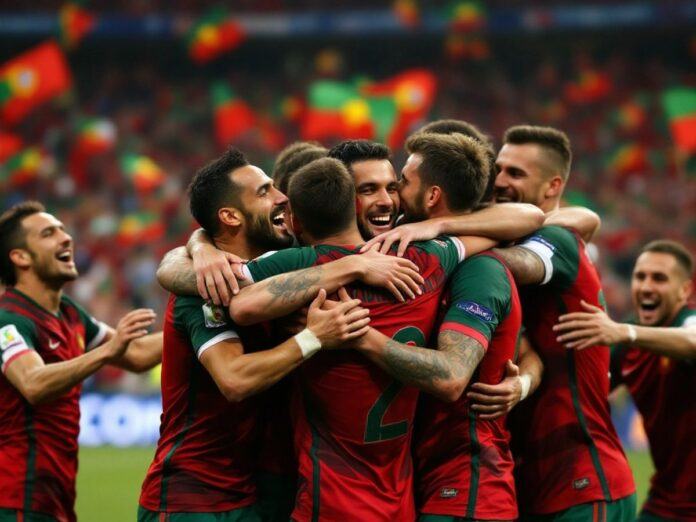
x,y
632,333
525,384
308,342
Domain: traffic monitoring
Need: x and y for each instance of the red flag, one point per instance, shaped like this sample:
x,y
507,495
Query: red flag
x,y
31,79
10,144
75,23
233,117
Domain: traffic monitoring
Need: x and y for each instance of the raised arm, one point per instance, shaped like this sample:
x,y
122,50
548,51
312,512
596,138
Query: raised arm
x,y
282,294
581,330
142,354
175,273
502,222
582,219
444,372
39,382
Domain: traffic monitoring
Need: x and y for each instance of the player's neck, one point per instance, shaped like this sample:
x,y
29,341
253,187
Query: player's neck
x,y
444,212
350,237
550,205
237,245
46,296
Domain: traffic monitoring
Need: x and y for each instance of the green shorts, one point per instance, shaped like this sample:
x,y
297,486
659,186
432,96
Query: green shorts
x,y
276,496
17,515
622,510
245,514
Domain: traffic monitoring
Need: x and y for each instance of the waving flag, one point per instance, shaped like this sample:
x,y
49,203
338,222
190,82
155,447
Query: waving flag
x,y
10,144
464,16
680,106
31,79
140,227
213,35
22,167
143,173
75,23
233,117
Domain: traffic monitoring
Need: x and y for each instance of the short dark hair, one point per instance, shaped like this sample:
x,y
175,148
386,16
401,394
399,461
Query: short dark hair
x,y
352,151
291,158
449,126
212,188
550,139
456,163
322,197
674,249
13,235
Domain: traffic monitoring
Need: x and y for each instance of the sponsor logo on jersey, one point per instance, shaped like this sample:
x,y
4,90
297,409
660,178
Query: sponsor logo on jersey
x,y
10,337
581,483
476,310
449,492
213,315
52,345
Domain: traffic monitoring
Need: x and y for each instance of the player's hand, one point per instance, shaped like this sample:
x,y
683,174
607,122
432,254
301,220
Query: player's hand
x,y
404,235
491,401
339,324
580,330
131,326
217,273
399,276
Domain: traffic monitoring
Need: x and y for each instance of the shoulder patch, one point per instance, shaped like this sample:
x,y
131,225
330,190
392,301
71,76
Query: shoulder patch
x,y
540,239
213,315
10,338
476,310
690,321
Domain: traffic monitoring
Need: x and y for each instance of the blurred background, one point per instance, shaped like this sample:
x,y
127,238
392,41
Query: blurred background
x,y
108,108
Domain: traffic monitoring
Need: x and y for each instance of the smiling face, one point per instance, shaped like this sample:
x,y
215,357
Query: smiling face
x,y
660,287
521,175
377,196
263,208
49,248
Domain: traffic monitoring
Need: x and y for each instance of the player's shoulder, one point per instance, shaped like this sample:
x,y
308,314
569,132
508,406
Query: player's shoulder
x,y
686,317
8,317
554,237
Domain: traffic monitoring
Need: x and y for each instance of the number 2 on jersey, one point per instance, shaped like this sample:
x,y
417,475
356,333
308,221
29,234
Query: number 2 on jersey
x,y
375,431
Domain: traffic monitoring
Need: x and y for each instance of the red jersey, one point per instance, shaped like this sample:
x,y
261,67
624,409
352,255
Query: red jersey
x,y
38,452
464,467
664,391
569,451
205,456
353,421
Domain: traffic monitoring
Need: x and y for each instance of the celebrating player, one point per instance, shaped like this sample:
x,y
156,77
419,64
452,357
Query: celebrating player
x,y
49,345
655,360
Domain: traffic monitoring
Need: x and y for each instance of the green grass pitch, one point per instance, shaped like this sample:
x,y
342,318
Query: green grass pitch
x,y
108,483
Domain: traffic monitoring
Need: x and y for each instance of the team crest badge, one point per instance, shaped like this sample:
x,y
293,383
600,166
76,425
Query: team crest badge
x,y
213,315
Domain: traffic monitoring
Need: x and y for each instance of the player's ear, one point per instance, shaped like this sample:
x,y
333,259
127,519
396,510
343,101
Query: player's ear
x,y
433,195
230,216
555,187
20,257
686,289
295,226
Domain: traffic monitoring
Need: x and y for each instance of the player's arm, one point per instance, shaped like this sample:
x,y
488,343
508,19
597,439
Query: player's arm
x,y
283,293
239,375
175,273
39,382
583,220
503,222
526,266
581,330
142,354
491,401
444,372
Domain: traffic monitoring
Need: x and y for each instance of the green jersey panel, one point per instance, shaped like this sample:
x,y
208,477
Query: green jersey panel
x,y
480,295
203,323
17,334
558,249
449,250
280,262
94,330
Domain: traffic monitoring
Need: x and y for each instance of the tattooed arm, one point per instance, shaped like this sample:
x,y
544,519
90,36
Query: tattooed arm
x,y
444,372
175,273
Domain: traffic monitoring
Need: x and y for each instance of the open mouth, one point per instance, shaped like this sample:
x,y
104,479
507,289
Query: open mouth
x,y
65,256
381,220
649,305
278,218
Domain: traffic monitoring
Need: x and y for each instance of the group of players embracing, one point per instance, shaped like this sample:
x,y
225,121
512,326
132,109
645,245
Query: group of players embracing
x,y
345,344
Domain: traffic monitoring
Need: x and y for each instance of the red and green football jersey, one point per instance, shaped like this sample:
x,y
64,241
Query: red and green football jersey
x,y
205,456
569,452
464,467
38,444
353,422
664,391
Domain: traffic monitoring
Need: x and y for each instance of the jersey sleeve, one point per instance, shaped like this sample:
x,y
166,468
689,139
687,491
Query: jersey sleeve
x,y
450,251
480,299
279,262
205,324
95,330
17,336
559,251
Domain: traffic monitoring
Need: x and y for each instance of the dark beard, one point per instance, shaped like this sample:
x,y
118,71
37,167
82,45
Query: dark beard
x,y
260,233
